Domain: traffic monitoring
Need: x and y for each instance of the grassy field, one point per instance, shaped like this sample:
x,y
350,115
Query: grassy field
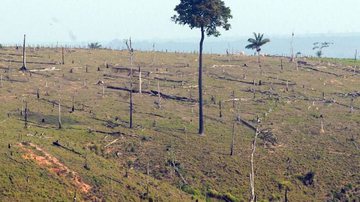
x,y
162,158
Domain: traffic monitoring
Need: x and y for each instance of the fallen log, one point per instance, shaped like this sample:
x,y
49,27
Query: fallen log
x,y
57,144
29,62
325,72
248,124
128,70
155,93
351,70
168,80
112,133
172,97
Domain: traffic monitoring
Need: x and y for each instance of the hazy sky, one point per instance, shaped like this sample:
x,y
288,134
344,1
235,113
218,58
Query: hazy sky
x,y
104,20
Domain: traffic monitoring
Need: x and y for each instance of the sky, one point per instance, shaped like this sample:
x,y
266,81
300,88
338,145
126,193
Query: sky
x,y
71,21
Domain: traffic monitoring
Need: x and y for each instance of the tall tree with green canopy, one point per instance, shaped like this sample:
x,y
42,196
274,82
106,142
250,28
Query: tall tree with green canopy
x,y
207,15
256,43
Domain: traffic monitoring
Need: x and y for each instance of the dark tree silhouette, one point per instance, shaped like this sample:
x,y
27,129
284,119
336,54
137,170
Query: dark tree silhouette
x,y
319,46
206,15
95,45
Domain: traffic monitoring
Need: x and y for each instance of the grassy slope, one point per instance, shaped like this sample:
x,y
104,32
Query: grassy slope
x,y
203,161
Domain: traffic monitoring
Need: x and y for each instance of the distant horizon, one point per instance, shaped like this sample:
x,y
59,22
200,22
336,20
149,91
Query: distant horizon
x,y
185,39
344,45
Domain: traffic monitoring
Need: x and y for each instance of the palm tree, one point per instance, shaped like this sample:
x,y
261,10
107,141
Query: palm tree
x,y
95,45
256,43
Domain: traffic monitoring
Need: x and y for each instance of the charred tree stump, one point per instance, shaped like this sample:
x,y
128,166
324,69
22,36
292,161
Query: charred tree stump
x,y
220,109
322,130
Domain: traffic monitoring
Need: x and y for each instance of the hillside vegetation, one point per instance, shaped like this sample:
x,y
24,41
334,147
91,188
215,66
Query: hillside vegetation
x,y
307,115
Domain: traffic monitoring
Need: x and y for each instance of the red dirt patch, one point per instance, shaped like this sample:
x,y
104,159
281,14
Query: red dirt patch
x,y
44,159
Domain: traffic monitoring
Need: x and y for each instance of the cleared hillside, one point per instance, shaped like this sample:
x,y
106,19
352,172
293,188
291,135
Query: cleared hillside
x,y
97,156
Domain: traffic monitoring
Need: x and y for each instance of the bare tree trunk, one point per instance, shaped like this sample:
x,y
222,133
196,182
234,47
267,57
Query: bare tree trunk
x,y
233,140
356,52
252,174
73,104
352,105
26,115
292,47
287,85
159,95
131,108
322,130
220,109
140,82
62,56
286,194
201,115
23,68
103,90
153,60
59,121
233,96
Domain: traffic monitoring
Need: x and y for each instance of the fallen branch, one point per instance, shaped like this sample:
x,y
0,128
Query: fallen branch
x,y
112,142
325,72
57,144
155,93
178,172
39,63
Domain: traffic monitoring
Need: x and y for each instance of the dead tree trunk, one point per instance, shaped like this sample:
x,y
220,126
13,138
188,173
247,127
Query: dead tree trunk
x,y
26,115
352,105
355,55
131,52
73,104
287,85
59,121
131,109
159,95
220,109
23,68
292,48
322,130
153,59
140,82
233,140
103,90
233,96
62,56
252,174
286,194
